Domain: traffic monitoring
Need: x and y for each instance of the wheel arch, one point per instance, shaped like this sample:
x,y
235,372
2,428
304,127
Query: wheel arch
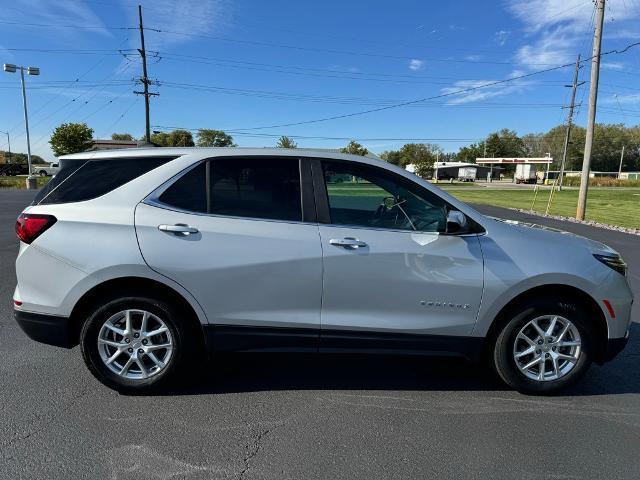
x,y
128,286
555,291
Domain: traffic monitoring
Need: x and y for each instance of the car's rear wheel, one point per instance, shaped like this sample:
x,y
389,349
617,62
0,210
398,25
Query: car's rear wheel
x,y
544,346
133,344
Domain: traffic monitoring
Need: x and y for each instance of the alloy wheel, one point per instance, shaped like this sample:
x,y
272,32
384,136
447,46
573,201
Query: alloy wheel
x,y
135,344
547,348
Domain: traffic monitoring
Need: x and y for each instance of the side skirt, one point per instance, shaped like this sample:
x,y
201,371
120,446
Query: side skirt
x,y
233,338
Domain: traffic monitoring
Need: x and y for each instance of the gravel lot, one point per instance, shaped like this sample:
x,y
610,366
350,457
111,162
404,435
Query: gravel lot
x,y
295,416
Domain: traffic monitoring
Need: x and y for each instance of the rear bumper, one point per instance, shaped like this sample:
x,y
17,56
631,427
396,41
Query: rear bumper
x,y
49,329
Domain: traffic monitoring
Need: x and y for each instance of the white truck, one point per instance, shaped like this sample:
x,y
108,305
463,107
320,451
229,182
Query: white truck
x,y
526,173
467,174
45,170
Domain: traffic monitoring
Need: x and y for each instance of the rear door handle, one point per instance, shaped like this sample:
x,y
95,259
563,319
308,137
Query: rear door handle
x,y
178,229
347,242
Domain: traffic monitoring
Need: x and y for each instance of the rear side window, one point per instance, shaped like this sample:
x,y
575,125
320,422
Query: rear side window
x,y
267,188
189,192
84,180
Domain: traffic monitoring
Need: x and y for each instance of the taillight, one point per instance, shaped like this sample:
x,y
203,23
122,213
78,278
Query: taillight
x,y
31,226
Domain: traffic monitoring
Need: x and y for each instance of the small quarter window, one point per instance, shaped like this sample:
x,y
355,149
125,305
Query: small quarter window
x,y
80,180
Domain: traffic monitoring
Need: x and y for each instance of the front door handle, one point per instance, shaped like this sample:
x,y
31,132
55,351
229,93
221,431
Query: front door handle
x,y
347,242
178,229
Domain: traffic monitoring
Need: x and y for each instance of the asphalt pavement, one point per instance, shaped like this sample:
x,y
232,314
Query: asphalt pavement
x,y
305,416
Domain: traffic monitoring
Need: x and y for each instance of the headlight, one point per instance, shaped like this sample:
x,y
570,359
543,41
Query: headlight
x,y
613,261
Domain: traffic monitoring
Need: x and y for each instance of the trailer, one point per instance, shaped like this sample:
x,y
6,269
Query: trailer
x,y
526,173
467,174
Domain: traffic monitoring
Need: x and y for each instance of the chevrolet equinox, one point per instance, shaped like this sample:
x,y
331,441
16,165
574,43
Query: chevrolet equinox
x,y
150,258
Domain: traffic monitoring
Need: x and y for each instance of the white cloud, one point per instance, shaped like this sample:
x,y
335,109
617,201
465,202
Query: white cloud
x,y
473,58
612,65
194,17
480,94
61,12
500,37
631,98
555,47
559,29
416,65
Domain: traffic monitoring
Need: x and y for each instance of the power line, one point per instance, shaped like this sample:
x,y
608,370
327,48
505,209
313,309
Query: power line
x,y
442,95
311,137
334,99
52,25
117,120
326,50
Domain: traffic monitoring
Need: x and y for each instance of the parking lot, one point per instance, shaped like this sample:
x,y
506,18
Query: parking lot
x,y
304,416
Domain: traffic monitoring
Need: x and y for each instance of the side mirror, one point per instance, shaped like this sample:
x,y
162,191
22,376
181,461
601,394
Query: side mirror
x,y
456,221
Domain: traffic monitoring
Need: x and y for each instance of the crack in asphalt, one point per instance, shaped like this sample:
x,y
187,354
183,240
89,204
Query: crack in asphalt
x,y
45,424
251,450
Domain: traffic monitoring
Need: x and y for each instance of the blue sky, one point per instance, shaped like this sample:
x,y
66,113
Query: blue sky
x,y
238,65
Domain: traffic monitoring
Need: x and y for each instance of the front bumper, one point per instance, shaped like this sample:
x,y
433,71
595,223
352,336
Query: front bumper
x,y
49,329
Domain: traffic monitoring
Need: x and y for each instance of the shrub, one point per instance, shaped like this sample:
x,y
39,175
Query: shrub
x,y
602,182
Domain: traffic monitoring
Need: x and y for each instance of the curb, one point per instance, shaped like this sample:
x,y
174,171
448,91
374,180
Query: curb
x,y
591,223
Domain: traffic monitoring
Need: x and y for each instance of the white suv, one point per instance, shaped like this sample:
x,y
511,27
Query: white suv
x,y
148,258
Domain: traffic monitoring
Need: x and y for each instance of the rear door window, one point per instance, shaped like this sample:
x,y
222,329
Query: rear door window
x,y
82,180
262,188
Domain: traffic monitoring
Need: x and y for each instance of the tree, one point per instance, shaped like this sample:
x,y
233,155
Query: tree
x,y
354,148
421,155
70,138
286,142
391,156
175,138
160,138
20,158
505,143
121,136
214,138
470,153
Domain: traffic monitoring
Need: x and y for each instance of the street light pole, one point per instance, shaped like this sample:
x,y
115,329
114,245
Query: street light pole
x,y
26,119
10,68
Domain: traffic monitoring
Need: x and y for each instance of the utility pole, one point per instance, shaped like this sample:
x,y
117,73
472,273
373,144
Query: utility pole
x,y
567,138
591,120
144,80
621,158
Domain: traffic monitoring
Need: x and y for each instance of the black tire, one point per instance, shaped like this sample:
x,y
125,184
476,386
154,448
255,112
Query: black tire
x,y
516,318
89,344
43,173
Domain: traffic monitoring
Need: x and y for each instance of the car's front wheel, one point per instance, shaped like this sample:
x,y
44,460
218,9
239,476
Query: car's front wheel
x,y
133,344
544,346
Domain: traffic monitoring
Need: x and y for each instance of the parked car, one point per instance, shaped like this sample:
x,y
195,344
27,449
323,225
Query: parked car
x,y
46,170
148,258
13,169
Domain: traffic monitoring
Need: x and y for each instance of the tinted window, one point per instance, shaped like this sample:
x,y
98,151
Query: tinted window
x,y
86,179
370,197
256,188
266,188
61,176
188,192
